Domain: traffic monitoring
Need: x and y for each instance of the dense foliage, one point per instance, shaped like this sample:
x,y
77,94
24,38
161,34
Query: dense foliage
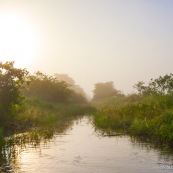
x,y
148,114
19,92
11,82
160,86
50,89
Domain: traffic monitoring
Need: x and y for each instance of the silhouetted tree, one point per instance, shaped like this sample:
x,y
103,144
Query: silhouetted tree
x,y
71,82
104,90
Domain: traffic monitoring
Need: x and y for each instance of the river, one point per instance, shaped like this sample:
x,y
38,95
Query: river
x,y
80,149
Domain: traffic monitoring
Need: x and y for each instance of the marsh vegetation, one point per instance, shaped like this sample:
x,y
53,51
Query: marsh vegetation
x,y
34,107
146,114
29,102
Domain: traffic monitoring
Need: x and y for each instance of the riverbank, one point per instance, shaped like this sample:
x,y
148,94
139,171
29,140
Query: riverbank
x,y
149,118
36,114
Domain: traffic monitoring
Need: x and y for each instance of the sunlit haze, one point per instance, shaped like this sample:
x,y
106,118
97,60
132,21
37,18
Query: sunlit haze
x,y
124,41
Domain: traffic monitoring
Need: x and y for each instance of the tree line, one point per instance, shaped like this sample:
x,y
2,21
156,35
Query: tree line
x,y
161,86
16,84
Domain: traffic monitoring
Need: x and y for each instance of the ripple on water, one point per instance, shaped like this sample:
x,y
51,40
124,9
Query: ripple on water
x,y
81,149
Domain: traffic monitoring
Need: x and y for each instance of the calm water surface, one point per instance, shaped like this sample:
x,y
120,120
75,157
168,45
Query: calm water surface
x,y
82,150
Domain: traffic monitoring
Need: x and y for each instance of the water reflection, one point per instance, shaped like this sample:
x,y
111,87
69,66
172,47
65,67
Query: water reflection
x,y
10,152
80,149
163,153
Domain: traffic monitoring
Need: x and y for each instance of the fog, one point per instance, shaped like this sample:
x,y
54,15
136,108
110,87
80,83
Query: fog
x,y
91,40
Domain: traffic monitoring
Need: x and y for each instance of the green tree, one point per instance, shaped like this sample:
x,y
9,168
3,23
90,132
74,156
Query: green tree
x,y
159,86
11,82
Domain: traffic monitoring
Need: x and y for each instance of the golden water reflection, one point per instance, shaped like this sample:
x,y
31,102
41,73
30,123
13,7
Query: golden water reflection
x,y
80,149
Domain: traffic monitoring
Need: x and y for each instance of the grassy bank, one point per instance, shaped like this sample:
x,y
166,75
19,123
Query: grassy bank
x,y
150,118
37,113
48,100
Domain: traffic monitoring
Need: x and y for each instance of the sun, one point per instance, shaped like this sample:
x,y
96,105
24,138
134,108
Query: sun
x,y
19,40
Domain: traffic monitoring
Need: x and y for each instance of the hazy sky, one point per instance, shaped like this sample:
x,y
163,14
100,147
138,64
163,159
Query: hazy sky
x,y
124,41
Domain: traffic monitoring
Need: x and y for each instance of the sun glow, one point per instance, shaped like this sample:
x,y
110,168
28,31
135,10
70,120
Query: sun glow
x,y
19,40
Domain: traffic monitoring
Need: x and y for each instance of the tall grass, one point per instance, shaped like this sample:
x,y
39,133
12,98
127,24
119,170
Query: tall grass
x,y
150,118
38,113
41,109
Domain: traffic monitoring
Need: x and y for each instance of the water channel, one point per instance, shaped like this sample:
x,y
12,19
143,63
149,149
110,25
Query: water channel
x,y
81,149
